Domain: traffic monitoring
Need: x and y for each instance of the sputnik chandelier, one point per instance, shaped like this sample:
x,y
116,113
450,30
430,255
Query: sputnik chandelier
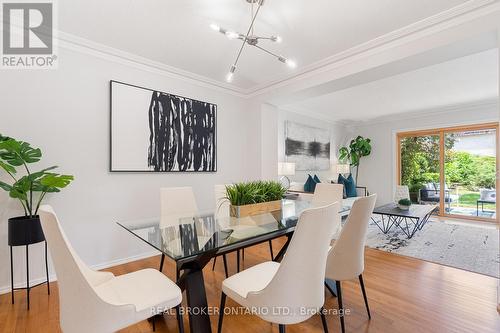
x,y
251,39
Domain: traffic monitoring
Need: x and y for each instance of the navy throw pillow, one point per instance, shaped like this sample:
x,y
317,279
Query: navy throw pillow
x,y
310,184
349,186
316,179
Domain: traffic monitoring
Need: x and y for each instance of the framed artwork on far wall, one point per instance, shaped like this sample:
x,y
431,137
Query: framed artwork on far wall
x,y
308,147
154,131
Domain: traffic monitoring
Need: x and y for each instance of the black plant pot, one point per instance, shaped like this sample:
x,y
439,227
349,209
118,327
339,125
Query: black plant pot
x,y
25,230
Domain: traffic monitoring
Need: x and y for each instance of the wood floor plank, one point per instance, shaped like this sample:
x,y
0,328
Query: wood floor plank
x,y
405,295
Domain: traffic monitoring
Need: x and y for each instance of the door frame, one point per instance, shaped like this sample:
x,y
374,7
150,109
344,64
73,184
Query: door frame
x,y
441,133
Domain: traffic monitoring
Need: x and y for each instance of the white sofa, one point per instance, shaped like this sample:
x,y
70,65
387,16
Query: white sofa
x,y
298,190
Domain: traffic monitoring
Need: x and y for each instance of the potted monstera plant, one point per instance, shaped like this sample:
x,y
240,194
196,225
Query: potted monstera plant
x,y
358,148
29,187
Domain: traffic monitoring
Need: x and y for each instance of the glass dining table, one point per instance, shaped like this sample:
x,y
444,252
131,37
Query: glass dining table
x,y
192,241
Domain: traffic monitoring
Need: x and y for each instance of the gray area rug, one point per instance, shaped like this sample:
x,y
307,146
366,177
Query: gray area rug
x,y
473,248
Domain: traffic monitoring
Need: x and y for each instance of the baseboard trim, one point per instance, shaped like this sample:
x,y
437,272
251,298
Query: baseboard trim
x,y
116,262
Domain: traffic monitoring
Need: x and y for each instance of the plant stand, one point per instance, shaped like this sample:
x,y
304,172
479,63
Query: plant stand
x,y
24,232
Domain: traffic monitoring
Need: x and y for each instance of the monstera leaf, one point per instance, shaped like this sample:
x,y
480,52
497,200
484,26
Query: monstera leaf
x,y
7,167
17,153
53,182
14,153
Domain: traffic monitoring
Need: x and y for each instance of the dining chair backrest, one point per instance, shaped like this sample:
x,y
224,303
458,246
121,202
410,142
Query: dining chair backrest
x,y
298,283
346,258
325,194
176,202
79,303
402,192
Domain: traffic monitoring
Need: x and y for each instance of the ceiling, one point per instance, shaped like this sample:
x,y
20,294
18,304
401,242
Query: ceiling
x,y
177,33
468,79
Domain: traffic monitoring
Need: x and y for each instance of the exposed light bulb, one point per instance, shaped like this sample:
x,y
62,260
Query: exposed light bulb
x,y
290,63
277,39
215,27
232,34
229,76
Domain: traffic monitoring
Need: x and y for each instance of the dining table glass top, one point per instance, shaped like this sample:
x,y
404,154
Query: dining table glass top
x,y
184,235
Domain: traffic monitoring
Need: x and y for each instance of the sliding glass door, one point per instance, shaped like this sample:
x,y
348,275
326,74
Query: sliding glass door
x,y
470,172
454,168
420,165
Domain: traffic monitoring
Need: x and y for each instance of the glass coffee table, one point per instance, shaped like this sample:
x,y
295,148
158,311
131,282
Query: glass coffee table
x,y
409,221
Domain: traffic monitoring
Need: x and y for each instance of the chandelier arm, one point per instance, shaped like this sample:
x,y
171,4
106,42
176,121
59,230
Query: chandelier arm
x,y
268,52
248,33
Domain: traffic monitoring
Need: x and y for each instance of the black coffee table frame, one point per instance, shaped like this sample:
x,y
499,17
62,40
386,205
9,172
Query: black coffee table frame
x,y
408,222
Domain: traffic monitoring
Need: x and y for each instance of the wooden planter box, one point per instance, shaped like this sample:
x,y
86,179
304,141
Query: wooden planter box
x,y
255,209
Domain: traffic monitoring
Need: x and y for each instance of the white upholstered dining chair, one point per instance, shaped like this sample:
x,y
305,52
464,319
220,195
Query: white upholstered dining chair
x,y
346,260
99,302
325,194
402,192
294,284
176,203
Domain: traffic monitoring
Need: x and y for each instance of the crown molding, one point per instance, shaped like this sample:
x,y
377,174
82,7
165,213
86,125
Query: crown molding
x,y
315,115
419,113
79,44
430,25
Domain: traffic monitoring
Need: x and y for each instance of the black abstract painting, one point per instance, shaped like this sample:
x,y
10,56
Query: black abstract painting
x,y
172,133
308,147
181,134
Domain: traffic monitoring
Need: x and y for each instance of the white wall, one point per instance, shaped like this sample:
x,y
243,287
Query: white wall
x,y
65,112
339,136
378,171
269,116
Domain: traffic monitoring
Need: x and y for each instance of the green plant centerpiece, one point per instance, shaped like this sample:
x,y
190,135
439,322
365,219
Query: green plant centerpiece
x,y
255,197
404,204
358,148
28,187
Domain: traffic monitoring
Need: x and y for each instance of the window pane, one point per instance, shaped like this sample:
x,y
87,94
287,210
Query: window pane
x,y
420,168
470,173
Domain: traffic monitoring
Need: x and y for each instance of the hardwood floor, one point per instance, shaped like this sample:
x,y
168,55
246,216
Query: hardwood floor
x,y
405,295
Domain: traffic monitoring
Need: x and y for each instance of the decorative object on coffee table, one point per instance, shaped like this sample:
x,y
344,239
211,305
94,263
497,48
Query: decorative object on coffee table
x,y
404,204
30,189
255,197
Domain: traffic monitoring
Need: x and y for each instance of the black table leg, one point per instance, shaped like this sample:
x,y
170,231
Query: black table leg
x,y
238,261
385,225
199,320
162,260
280,254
